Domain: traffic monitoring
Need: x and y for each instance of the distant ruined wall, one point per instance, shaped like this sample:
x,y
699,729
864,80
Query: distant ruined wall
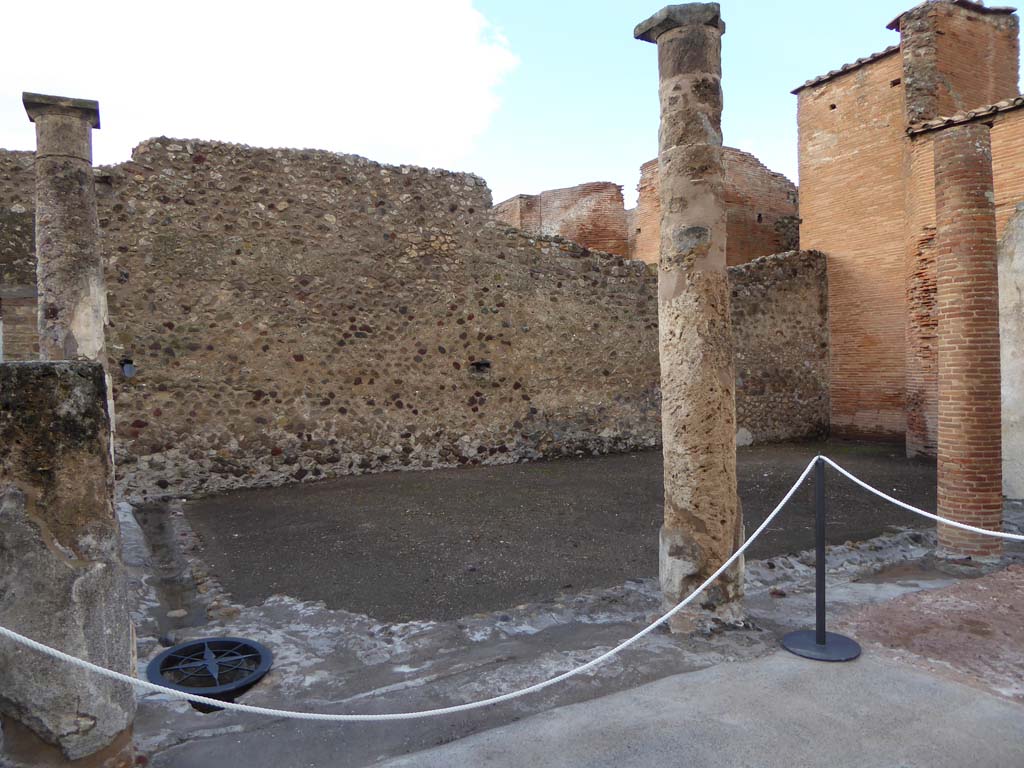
x,y
296,315
646,234
762,214
591,214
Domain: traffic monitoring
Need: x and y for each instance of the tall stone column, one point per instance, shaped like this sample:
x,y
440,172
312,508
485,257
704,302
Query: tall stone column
x,y
970,434
72,296
702,525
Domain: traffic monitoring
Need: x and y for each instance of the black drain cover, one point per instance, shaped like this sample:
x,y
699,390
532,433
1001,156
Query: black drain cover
x,y
217,667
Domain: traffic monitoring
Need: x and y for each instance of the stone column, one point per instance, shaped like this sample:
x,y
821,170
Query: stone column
x,y
72,296
702,524
61,577
970,435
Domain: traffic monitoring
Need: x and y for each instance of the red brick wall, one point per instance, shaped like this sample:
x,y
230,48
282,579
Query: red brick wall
x,y
1008,164
970,430
760,208
1007,141
978,57
647,215
922,323
591,214
757,201
851,132
957,58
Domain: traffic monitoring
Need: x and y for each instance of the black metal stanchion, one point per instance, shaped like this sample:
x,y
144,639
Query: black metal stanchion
x,y
819,644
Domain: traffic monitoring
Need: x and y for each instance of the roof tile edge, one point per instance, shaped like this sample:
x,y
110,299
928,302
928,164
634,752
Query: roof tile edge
x,y
967,116
847,68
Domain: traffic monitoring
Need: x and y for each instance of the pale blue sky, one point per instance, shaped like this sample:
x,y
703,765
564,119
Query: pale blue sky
x,y
530,94
583,103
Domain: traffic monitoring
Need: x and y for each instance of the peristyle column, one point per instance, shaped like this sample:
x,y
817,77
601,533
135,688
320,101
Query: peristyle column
x,y
72,296
970,434
702,525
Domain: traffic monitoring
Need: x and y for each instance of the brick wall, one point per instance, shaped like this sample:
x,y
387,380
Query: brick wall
x,y
1008,164
851,207
760,206
969,461
761,210
957,56
922,323
647,215
1007,142
865,187
591,214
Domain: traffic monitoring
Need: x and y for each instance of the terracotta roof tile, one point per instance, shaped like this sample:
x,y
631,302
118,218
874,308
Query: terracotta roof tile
x,y
966,116
847,68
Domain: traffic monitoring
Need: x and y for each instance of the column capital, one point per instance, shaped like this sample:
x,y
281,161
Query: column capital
x,y
672,16
38,104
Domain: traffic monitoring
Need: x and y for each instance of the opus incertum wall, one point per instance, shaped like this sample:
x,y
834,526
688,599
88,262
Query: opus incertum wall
x,y
300,314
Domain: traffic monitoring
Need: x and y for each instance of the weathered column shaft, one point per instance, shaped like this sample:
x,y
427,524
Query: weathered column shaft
x,y
72,296
702,525
969,431
61,577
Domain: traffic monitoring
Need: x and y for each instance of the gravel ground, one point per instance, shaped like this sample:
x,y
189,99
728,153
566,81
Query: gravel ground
x,y
448,543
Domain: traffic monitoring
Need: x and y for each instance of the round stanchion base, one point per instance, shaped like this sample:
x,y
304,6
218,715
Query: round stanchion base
x,y
836,647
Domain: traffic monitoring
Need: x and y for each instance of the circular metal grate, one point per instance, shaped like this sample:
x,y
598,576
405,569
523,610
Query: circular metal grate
x,y
217,667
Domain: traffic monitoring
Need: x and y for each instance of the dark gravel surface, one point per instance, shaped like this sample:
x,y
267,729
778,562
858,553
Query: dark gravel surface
x,y
447,543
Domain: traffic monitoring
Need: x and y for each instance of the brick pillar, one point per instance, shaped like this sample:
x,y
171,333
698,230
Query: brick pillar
x,y
72,295
970,458
702,524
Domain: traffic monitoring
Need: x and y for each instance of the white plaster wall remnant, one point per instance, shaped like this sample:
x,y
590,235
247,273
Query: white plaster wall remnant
x,y
1011,343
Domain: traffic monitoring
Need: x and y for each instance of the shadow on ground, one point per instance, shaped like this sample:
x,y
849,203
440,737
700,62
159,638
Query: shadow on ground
x,y
449,543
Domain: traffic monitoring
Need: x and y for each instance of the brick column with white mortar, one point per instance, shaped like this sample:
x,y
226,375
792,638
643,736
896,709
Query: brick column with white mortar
x,y
969,426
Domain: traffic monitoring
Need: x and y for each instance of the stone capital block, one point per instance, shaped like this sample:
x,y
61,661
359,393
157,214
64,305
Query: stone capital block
x,y
63,125
674,16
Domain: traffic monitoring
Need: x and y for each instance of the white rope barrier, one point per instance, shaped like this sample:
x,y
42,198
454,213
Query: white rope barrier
x,y
330,717
909,508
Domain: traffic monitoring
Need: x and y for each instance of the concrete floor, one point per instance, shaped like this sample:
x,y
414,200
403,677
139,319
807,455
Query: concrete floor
x,y
448,543
774,712
740,702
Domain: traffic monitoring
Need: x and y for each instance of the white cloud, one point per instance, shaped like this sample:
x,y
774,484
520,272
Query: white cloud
x,y
404,81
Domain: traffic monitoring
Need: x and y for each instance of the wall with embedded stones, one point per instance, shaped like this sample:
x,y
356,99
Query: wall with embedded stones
x,y
18,335
780,329
299,314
